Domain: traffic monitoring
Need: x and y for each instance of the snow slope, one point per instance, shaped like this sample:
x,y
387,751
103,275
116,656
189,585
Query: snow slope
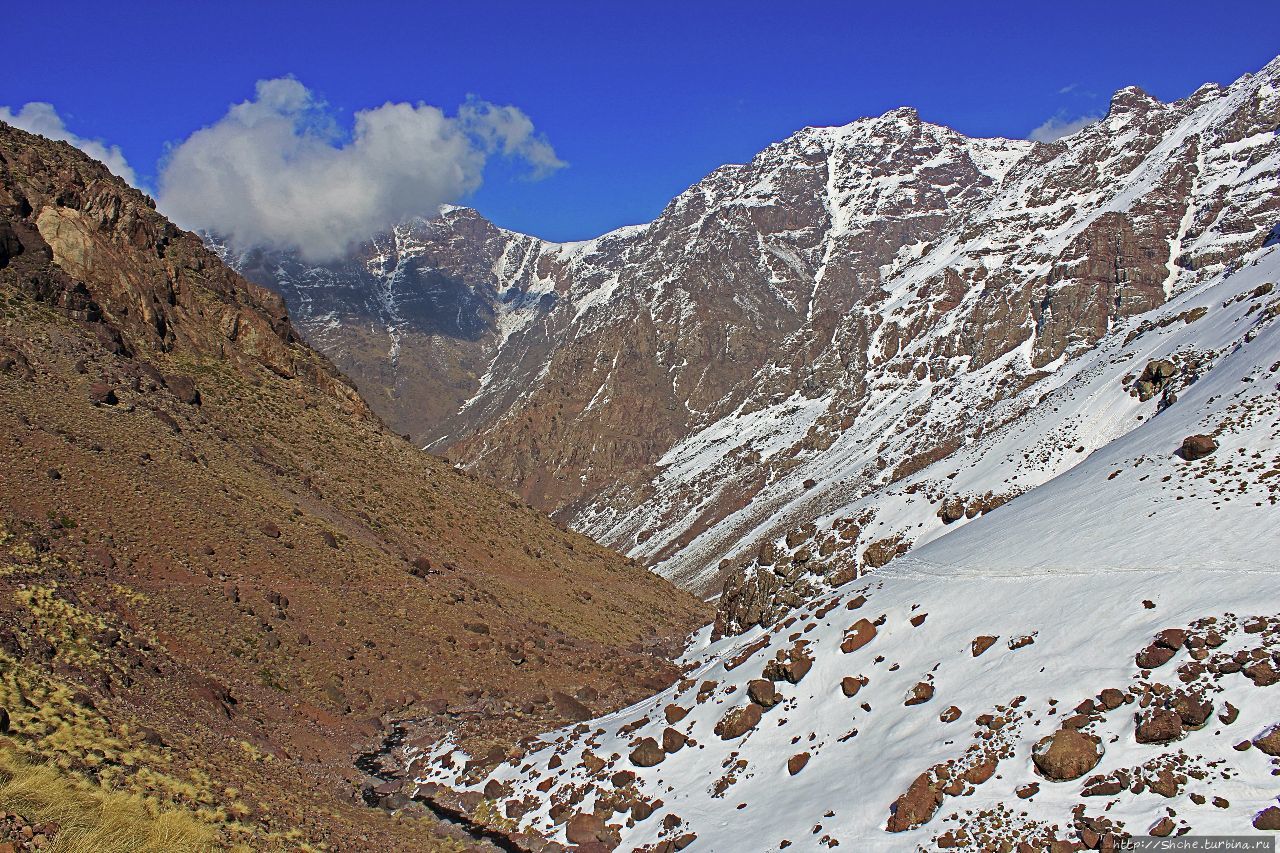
x,y
1072,580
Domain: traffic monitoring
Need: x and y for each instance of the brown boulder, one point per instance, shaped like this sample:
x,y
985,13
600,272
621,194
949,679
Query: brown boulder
x,y
797,762
647,753
102,394
916,807
1159,725
859,634
1262,674
1111,698
1193,710
1268,819
982,771
738,722
950,715
673,740
1153,656
1270,741
675,713
763,693
1197,447
922,692
568,707
1067,754
849,685
586,828
981,644
184,388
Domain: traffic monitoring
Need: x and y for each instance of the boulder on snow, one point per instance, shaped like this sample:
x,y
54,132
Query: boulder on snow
x,y
859,634
586,828
1158,725
917,806
1067,754
1270,741
647,753
1197,447
1268,819
982,643
738,722
763,692
797,762
920,693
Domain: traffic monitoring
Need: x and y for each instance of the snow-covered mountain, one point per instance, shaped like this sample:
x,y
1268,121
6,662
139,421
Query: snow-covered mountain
x,y
792,374
1093,660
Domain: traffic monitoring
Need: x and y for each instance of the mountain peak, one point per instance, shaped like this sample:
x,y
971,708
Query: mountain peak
x,y
1132,99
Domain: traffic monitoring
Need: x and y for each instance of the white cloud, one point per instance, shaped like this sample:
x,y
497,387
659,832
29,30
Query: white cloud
x,y
278,170
42,118
1059,126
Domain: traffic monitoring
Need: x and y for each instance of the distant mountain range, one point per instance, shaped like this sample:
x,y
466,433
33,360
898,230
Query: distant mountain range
x,y
796,363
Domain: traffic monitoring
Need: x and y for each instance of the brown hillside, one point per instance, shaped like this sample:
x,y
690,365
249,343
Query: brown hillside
x,y
219,572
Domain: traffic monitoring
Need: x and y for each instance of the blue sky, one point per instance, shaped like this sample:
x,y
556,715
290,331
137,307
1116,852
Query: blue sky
x,y
640,99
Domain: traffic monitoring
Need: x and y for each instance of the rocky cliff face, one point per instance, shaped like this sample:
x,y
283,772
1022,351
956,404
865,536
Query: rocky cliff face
x,y
797,334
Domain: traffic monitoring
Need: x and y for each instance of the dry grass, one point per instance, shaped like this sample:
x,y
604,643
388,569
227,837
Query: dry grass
x,y
93,820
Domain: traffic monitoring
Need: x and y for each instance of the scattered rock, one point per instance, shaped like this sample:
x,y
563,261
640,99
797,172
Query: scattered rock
x,y
102,394
763,692
1268,819
859,634
738,722
850,685
1270,741
917,806
1067,754
981,644
922,692
184,388
797,762
1158,725
647,753
950,715
1197,447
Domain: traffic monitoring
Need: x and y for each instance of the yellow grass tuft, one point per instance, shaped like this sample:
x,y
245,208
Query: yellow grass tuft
x,y
92,820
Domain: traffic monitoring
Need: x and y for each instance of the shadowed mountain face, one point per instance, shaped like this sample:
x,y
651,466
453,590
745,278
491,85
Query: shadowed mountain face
x,y
798,333
221,575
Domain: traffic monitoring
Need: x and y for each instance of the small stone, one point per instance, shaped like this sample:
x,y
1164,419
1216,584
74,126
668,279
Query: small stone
x,y
922,692
797,762
982,643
